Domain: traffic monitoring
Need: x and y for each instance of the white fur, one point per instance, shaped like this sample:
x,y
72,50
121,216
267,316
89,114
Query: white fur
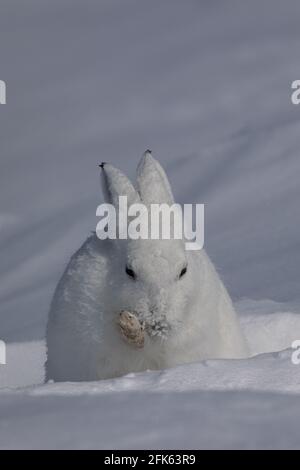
x,y
188,319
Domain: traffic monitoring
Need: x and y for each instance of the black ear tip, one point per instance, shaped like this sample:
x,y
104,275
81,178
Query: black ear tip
x,y
102,165
148,151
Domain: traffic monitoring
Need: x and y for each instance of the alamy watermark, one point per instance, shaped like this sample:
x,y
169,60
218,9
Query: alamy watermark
x,y
295,96
155,222
2,92
296,353
2,353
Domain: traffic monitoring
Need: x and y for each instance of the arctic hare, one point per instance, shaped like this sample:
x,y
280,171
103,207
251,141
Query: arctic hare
x,y
176,294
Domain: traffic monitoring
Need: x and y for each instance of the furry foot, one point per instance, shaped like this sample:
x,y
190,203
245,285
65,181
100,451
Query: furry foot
x,y
132,330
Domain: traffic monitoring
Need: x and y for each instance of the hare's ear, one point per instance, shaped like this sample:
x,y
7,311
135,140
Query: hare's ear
x,y
153,184
115,184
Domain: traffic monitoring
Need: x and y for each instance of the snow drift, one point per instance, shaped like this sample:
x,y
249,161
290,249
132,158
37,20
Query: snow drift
x,y
256,399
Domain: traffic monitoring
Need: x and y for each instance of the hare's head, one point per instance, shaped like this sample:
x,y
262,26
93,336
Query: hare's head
x,y
155,276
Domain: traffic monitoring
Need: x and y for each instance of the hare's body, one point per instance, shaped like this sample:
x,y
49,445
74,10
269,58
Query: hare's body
x,y
187,319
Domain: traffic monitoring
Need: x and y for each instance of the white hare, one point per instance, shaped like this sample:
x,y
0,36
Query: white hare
x,y
176,294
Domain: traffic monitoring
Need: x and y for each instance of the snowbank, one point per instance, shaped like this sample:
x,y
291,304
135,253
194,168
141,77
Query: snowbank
x,y
217,404
134,420
251,403
24,364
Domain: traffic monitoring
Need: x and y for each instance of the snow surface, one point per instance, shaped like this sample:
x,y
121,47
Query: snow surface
x,y
190,406
206,85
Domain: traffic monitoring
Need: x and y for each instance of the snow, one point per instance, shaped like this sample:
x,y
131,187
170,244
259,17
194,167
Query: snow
x,y
24,364
190,406
160,421
207,87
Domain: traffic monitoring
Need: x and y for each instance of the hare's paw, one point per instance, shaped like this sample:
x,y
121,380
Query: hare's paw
x,y
131,329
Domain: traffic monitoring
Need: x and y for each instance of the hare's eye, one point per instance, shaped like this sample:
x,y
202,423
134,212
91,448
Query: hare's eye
x,y
183,272
130,272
